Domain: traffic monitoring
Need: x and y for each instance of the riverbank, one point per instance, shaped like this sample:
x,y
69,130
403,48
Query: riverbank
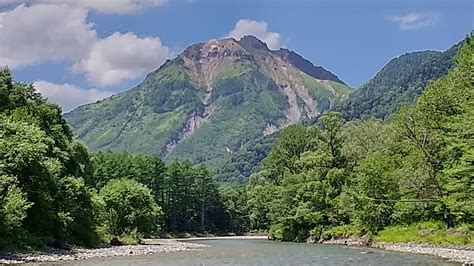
x,y
462,254
147,247
455,253
54,255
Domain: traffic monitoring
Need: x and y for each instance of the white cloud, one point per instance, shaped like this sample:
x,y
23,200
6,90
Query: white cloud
x,y
121,57
32,34
415,21
103,6
69,96
258,29
47,32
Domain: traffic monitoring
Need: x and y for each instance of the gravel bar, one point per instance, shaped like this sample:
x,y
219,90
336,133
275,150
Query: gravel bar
x,y
53,255
463,254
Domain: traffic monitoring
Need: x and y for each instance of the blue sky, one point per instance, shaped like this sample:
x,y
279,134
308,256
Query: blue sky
x,y
80,51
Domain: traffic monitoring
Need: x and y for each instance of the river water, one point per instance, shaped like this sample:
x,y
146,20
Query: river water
x,y
264,252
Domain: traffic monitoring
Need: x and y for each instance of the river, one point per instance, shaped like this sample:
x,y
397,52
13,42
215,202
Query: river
x,y
264,252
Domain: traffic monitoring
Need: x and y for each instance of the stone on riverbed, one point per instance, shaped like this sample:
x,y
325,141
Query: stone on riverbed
x,y
54,254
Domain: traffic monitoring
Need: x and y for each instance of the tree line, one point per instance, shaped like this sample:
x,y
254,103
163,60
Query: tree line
x,y
54,192
362,176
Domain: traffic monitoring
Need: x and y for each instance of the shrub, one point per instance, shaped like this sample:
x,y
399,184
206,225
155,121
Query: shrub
x,y
129,207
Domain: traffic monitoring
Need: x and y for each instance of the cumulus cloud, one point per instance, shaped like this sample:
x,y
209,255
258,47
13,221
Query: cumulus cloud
x,y
38,33
415,21
103,6
122,56
258,29
32,34
69,96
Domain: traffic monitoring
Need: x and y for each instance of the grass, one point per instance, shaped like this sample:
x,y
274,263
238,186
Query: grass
x,y
317,90
427,232
233,70
342,91
131,238
172,72
342,231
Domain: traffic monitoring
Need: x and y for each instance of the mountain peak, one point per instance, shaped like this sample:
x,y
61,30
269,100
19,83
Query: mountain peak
x,y
306,66
213,49
252,42
208,102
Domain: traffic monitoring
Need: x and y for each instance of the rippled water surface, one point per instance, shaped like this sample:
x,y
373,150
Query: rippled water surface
x,y
264,252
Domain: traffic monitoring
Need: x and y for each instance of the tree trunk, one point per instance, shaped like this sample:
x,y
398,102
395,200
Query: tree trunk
x,y
447,217
202,216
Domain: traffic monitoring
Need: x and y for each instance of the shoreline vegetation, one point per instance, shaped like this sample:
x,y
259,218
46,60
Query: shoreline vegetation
x,y
455,253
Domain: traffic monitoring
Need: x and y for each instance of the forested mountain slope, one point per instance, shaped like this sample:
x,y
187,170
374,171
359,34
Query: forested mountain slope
x,y
209,101
338,179
399,83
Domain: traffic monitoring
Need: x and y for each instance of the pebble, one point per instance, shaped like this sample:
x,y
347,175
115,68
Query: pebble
x,y
53,255
462,254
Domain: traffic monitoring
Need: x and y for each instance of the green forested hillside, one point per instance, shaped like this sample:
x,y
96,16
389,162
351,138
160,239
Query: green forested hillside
x,y
208,103
247,160
397,84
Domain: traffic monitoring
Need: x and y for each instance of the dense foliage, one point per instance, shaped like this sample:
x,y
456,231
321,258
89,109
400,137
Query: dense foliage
x,y
52,192
398,84
44,172
368,175
128,206
246,161
187,195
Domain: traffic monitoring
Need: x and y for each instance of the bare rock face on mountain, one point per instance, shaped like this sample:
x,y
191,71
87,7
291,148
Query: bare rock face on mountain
x,y
210,101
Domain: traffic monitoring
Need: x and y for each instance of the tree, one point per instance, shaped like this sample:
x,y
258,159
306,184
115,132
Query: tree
x,y
41,165
235,200
130,206
439,130
293,141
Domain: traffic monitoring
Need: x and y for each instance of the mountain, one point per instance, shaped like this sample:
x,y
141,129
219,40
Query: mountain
x,y
209,101
398,83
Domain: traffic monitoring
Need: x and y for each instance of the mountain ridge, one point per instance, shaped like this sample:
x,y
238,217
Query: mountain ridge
x,y
389,89
209,101
399,83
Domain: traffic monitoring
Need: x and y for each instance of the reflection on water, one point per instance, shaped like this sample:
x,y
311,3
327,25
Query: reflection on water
x,y
263,252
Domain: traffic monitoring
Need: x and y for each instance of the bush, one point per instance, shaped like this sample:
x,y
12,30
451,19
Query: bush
x,y
13,210
342,231
282,232
129,207
131,238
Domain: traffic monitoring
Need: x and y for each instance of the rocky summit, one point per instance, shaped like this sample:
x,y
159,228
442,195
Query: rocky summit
x,y
209,101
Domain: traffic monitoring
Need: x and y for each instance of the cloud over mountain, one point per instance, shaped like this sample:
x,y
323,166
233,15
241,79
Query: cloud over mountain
x,y
258,29
69,96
